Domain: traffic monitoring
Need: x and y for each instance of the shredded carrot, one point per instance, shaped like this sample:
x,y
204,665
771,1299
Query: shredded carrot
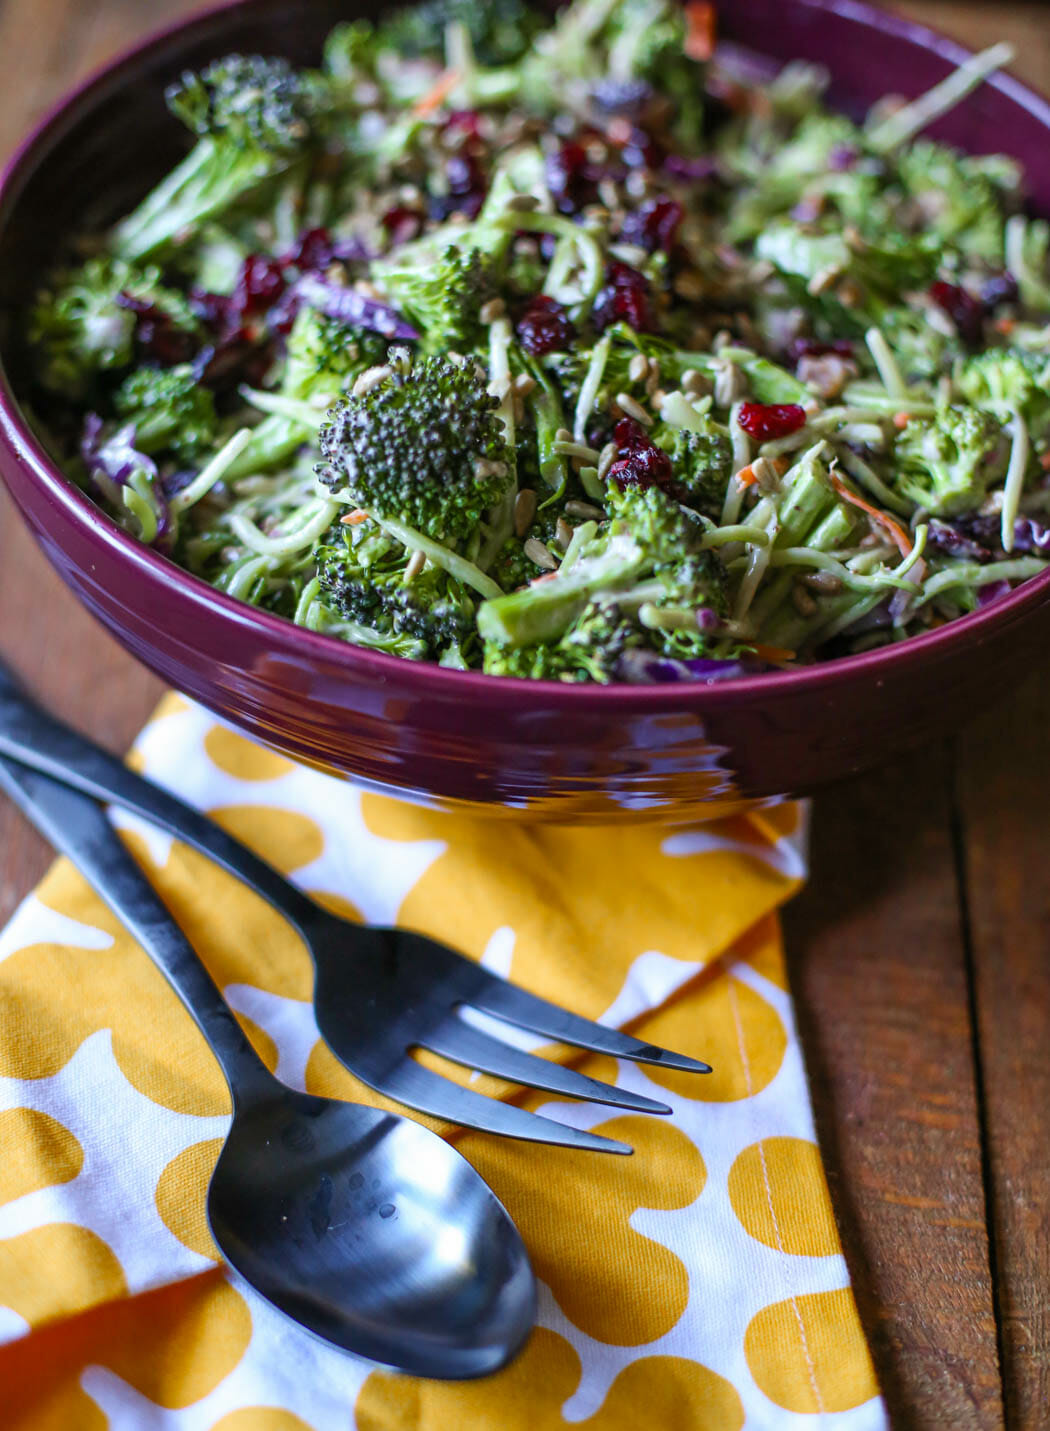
x,y
746,477
435,96
901,420
701,20
775,655
892,529
354,519
1044,462
780,465
1004,325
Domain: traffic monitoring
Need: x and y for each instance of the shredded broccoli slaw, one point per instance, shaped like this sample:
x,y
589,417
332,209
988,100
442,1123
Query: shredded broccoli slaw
x,y
559,350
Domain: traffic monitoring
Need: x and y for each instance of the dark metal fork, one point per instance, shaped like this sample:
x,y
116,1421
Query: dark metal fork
x,y
380,994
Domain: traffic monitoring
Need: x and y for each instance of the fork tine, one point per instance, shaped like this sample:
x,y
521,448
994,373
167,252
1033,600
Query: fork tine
x,y
471,1047
417,1087
527,1011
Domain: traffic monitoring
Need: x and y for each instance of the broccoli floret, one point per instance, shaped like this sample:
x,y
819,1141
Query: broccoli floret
x,y
881,269
648,533
351,51
531,663
543,612
958,198
500,30
647,40
325,355
425,447
597,642
323,359
443,298
256,118
703,465
655,520
590,651
1008,378
781,176
169,411
946,463
79,327
253,101
430,607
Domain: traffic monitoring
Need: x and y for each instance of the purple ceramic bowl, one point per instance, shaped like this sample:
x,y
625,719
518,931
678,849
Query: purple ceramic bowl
x,y
566,752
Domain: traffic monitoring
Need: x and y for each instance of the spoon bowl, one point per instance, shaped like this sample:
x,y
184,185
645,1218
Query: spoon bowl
x,y
342,1217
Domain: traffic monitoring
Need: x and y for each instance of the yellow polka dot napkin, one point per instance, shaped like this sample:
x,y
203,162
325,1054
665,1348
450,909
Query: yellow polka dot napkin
x,y
698,1286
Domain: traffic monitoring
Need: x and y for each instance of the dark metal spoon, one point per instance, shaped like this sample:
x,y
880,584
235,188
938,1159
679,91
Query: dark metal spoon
x,y
364,1227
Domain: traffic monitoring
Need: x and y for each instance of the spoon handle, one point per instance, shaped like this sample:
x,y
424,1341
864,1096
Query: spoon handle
x,y
29,735
78,827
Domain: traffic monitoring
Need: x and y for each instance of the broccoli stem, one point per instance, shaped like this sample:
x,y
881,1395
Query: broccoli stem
x,y
272,443
906,123
768,382
546,610
449,561
214,472
211,178
310,528
549,419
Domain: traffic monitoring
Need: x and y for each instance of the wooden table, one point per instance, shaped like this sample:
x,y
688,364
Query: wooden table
x,y
919,951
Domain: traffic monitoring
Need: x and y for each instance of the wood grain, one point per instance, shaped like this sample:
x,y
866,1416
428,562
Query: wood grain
x,y
879,974
1003,798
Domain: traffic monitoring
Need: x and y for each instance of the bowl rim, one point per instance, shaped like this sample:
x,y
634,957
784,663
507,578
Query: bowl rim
x,y
428,677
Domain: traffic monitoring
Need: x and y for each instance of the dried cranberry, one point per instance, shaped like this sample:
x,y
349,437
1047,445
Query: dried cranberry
x,y
238,359
464,174
1000,288
401,224
313,251
463,121
213,309
965,311
630,436
654,225
625,298
765,421
260,285
642,151
545,327
818,348
567,176
156,335
640,462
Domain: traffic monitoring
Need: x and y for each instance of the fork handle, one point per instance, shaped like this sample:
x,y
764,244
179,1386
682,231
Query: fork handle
x,y
30,736
78,827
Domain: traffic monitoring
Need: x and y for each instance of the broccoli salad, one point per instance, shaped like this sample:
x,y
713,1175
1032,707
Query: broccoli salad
x,y
561,348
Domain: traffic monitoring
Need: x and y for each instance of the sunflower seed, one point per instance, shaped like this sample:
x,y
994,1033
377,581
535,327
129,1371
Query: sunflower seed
x,y
540,554
416,563
371,378
524,510
632,408
638,368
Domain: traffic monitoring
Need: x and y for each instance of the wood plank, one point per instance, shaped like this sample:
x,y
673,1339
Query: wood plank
x,y
1003,785
46,635
878,969
1003,798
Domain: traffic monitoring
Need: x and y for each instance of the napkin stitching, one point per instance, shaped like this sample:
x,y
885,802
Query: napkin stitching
x,y
745,1060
